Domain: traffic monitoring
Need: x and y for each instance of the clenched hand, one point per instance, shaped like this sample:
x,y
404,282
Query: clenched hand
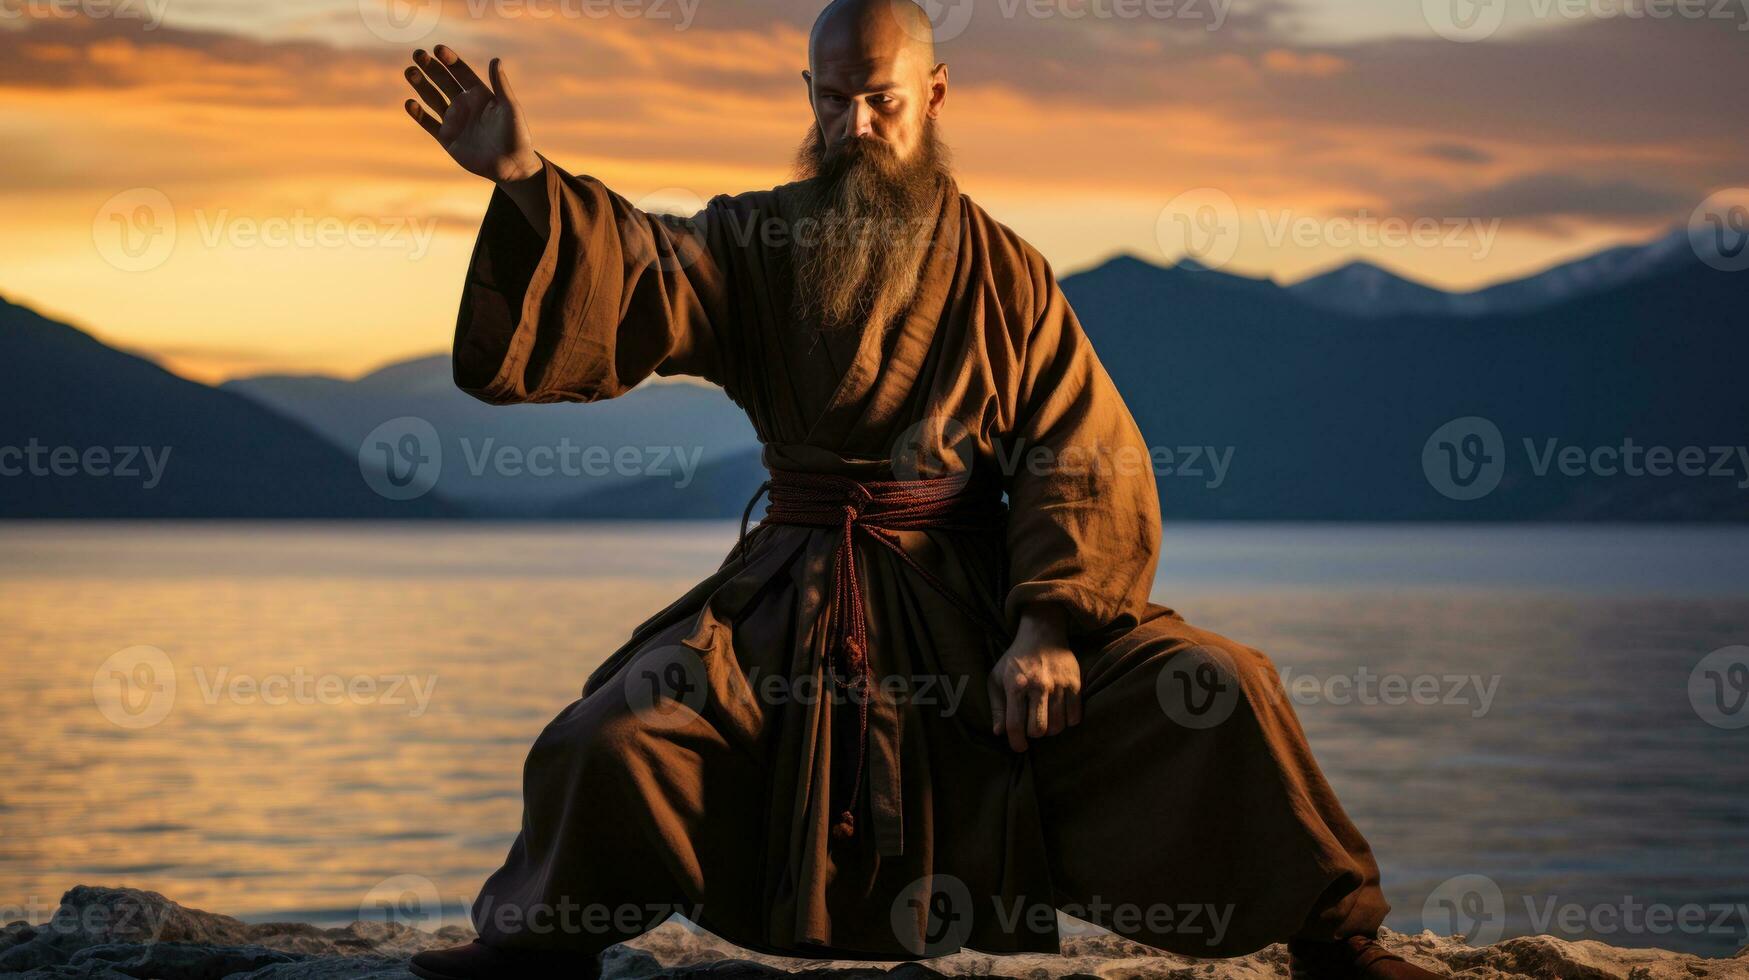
x,y
1035,689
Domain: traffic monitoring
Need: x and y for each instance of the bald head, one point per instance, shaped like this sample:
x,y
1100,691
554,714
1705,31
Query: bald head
x,y
848,26
872,74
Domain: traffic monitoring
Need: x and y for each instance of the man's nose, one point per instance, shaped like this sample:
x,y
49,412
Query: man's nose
x,y
862,120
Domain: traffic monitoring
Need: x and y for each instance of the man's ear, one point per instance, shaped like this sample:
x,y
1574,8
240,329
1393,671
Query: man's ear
x,y
808,82
937,90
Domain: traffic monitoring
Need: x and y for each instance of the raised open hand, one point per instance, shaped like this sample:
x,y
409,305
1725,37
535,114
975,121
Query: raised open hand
x,y
481,127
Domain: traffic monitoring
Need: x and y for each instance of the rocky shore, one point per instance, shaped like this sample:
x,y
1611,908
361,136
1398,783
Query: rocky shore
x,y
126,934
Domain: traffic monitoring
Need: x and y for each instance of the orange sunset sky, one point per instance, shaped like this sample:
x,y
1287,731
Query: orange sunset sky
x,y
232,187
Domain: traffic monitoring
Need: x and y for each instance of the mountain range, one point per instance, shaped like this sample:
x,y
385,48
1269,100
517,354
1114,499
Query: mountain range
x,y
492,455
91,431
1315,401
1366,290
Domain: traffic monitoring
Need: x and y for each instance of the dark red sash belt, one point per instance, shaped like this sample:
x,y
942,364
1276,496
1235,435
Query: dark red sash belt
x,y
874,510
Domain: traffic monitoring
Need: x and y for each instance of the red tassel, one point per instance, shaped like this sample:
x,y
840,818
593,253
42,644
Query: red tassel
x,y
844,827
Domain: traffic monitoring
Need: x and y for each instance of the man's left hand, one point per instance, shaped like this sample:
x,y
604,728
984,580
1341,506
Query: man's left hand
x,y
1035,689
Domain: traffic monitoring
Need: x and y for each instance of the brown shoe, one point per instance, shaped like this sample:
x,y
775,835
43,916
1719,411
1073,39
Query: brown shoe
x,y
1354,958
478,961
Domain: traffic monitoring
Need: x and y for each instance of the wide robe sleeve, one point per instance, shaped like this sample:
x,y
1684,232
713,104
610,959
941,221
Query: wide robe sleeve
x,y
612,295
1084,524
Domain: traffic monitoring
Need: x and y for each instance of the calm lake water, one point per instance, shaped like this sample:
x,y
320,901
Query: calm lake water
x,y
308,722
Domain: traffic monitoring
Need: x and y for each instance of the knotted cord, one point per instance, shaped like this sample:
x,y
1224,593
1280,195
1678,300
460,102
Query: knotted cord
x,y
875,509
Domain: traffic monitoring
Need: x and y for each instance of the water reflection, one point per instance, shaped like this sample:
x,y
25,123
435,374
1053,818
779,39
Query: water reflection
x,y
353,704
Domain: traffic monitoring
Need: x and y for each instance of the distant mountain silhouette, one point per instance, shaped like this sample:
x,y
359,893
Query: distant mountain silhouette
x,y
1327,415
1263,402
510,460
1364,289
721,490
90,431
1282,410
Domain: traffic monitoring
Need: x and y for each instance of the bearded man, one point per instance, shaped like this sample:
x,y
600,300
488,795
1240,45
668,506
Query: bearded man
x,y
764,755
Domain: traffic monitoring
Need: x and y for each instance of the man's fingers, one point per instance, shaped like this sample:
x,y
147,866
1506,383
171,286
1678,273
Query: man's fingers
x,y
419,115
427,92
1015,714
501,84
1072,704
1058,719
438,74
457,67
1038,713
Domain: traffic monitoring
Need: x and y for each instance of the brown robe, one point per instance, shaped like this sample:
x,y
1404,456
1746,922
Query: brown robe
x,y
702,767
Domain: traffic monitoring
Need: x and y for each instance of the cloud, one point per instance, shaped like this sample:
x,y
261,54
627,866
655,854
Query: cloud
x,y
1545,196
1315,64
118,54
1454,153
1076,129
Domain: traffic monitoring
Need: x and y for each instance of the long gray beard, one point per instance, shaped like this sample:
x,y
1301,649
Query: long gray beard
x,y
867,222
